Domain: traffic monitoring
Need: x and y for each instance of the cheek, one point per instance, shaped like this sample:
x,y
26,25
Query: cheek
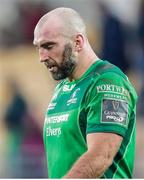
x,y
57,55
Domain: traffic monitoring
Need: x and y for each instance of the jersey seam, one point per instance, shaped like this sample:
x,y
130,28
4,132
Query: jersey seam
x,y
124,153
106,130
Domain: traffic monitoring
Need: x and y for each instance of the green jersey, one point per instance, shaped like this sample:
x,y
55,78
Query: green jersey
x,y
102,100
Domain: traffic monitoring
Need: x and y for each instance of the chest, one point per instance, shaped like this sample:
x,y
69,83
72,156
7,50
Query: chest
x,y
63,112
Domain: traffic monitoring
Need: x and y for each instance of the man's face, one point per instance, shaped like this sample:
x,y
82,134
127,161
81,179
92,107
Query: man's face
x,y
56,52
66,67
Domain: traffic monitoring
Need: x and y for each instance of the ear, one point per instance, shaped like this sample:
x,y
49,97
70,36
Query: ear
x,y
79,42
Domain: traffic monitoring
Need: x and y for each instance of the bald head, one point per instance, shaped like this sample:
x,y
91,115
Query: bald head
x,y
60,36
67,20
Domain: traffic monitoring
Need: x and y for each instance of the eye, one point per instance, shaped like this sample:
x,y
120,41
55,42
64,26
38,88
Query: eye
x,y
48,46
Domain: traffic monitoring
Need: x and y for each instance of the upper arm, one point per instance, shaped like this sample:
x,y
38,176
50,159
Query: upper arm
x,y
105,144
107,119
102,148
109,105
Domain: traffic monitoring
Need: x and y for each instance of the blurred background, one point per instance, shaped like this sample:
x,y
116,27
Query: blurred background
x,y
116,32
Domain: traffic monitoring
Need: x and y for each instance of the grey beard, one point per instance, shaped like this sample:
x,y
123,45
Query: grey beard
x,y
67,66
65,70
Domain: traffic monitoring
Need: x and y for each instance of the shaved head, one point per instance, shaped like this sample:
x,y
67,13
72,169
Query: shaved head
x,y
67,20
60,36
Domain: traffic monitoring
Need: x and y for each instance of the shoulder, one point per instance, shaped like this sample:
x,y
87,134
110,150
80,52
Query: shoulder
x,y
107,75
112,83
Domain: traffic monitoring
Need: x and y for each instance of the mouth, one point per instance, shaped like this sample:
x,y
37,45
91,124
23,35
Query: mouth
x,y
51,66
52,69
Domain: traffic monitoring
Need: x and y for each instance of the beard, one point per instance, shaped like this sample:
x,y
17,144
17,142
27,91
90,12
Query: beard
x,y
67,66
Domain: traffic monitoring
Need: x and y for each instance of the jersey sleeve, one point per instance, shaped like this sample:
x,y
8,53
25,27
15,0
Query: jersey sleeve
x,y
109,104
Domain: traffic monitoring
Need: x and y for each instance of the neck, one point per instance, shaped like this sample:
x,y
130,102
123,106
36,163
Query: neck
x,y
83,65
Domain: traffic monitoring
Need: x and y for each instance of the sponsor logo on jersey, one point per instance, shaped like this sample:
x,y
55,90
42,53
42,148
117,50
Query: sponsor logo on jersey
x,y
68,87
114,111
49,121
73,98
115,96
112,88
53,131
57,119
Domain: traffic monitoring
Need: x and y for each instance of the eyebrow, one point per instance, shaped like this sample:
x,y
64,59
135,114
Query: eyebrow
x,y
47,43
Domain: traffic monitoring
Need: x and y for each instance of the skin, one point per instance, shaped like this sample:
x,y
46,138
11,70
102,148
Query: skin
x,y
64,48
102,147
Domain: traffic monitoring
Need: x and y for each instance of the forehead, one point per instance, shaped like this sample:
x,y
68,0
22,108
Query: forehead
x,y
49,31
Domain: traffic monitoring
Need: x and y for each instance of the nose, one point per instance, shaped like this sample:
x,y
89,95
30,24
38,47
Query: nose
x,y
43,54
